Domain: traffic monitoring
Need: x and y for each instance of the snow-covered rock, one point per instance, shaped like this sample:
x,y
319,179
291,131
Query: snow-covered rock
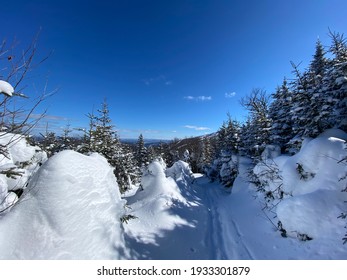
x,y
70,210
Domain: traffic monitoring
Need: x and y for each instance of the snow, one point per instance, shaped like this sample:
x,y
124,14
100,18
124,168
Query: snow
x,y
151,206
72,209
22,158
6,88
312,182
314,214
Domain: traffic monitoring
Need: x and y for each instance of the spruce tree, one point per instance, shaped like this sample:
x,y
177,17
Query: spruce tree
x,y
337,82
228,136
104,138
259,123
317,111
141,152
279,113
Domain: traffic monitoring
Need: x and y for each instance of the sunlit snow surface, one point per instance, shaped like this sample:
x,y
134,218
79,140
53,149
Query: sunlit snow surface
x,y
72,209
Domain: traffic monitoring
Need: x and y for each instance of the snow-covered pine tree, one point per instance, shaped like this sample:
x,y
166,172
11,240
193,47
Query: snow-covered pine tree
x,y
87,145
300,103
206,155
228,136
279,112
126,169
66,141
246,138
49,142
259,123
141,152
104,137
337,83
318,110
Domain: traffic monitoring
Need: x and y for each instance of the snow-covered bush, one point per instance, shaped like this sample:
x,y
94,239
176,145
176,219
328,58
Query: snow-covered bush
x,y
311,184
224,168
180,171
229,168
17,164
72,210
267,175
153,202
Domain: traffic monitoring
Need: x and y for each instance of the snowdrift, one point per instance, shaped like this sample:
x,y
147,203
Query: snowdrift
x,y
70,210
151,205
308,187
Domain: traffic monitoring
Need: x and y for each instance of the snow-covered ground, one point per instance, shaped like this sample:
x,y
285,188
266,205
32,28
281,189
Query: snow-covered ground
x,y
72,209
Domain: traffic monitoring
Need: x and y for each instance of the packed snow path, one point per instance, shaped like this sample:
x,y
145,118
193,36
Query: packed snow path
x,y
219,235
201,230
207,221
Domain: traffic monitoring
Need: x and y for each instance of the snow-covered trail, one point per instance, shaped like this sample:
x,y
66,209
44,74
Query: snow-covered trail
x,y
186,239
203,232
199,219
225,238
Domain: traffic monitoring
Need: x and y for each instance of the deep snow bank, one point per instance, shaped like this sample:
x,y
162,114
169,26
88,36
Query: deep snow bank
x,y
71,210
306,189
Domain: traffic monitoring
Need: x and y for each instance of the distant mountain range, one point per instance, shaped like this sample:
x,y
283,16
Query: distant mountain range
x,y
148,142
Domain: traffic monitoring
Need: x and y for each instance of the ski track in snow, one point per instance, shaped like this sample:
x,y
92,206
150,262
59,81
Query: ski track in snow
x,y
218,230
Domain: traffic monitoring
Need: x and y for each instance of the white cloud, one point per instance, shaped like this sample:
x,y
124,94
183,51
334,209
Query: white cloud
x,y
157,80
198,128
230,94
48,117
198,98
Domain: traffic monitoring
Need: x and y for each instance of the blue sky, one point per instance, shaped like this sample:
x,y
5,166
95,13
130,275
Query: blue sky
x,y
166,68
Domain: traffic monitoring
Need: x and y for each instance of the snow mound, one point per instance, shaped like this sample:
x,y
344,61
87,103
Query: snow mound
x,y
152,204
308,187
71,210
314,214
180,171
316,166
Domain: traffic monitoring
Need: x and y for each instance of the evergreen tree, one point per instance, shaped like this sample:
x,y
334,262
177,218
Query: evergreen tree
x,y
279,112
126,170
49,142
66,141
228,136
206,155
87,145
317,113
301,100
141,152
104,138
337,82
259,123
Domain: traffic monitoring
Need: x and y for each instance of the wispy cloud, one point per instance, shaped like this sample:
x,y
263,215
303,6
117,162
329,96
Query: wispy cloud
x,y
198,128
48,117
161,79
230,94
198,98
